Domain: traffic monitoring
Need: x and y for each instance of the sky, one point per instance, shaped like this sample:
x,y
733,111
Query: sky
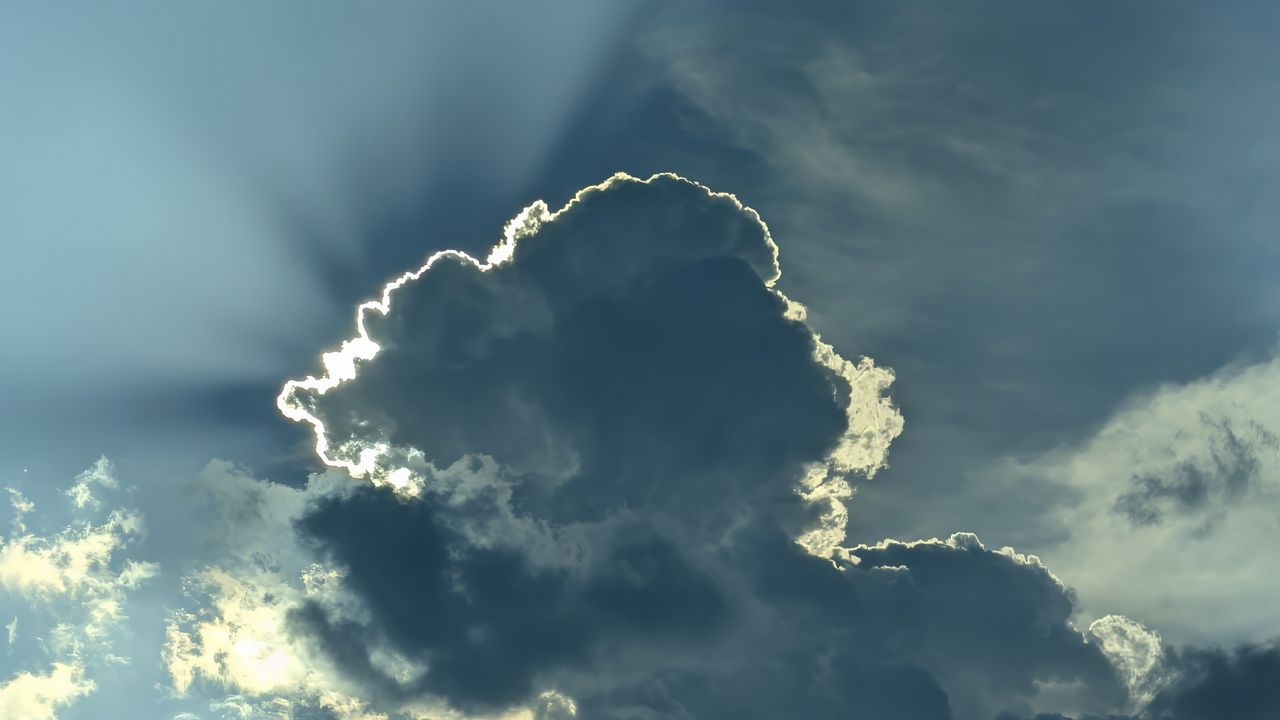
x,y
639,360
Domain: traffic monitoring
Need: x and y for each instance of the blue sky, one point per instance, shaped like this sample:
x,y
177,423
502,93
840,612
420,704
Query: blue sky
x,y
1048,228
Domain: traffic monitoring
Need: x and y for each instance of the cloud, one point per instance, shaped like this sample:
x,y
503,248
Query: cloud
x,y
101,474
652,297
610,463
1223,475
1183,477
1137,653
229,642
603,474
76,565
71,588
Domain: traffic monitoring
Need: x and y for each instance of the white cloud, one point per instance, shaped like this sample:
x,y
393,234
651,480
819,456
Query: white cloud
x,y
1174,499
75,585
77,564
101,473
38,697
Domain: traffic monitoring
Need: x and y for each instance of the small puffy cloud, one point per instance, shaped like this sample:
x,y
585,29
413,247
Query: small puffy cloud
x,y
102,474
628,350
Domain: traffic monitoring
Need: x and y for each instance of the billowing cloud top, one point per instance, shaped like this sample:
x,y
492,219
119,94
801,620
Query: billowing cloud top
x,y
626,350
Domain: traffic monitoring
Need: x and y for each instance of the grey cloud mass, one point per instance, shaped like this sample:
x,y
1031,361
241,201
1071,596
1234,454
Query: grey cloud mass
x,y
590,461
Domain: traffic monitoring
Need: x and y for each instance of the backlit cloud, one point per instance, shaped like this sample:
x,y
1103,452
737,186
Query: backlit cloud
x,y
609,468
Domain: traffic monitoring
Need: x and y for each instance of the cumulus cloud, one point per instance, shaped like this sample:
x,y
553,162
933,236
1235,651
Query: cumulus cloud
x,y
101,474
611,351
603,474
71,587
229,641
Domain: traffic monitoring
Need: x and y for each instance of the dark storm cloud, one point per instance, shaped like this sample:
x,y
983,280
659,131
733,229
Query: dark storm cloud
x,y
760,629
634,337
486,619
589,463
933,629
630,352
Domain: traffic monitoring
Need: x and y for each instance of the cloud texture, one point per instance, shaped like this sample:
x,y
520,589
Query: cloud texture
x,y
610,463
69,590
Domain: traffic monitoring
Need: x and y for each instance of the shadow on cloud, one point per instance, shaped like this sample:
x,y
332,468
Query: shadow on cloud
x,y
606,478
